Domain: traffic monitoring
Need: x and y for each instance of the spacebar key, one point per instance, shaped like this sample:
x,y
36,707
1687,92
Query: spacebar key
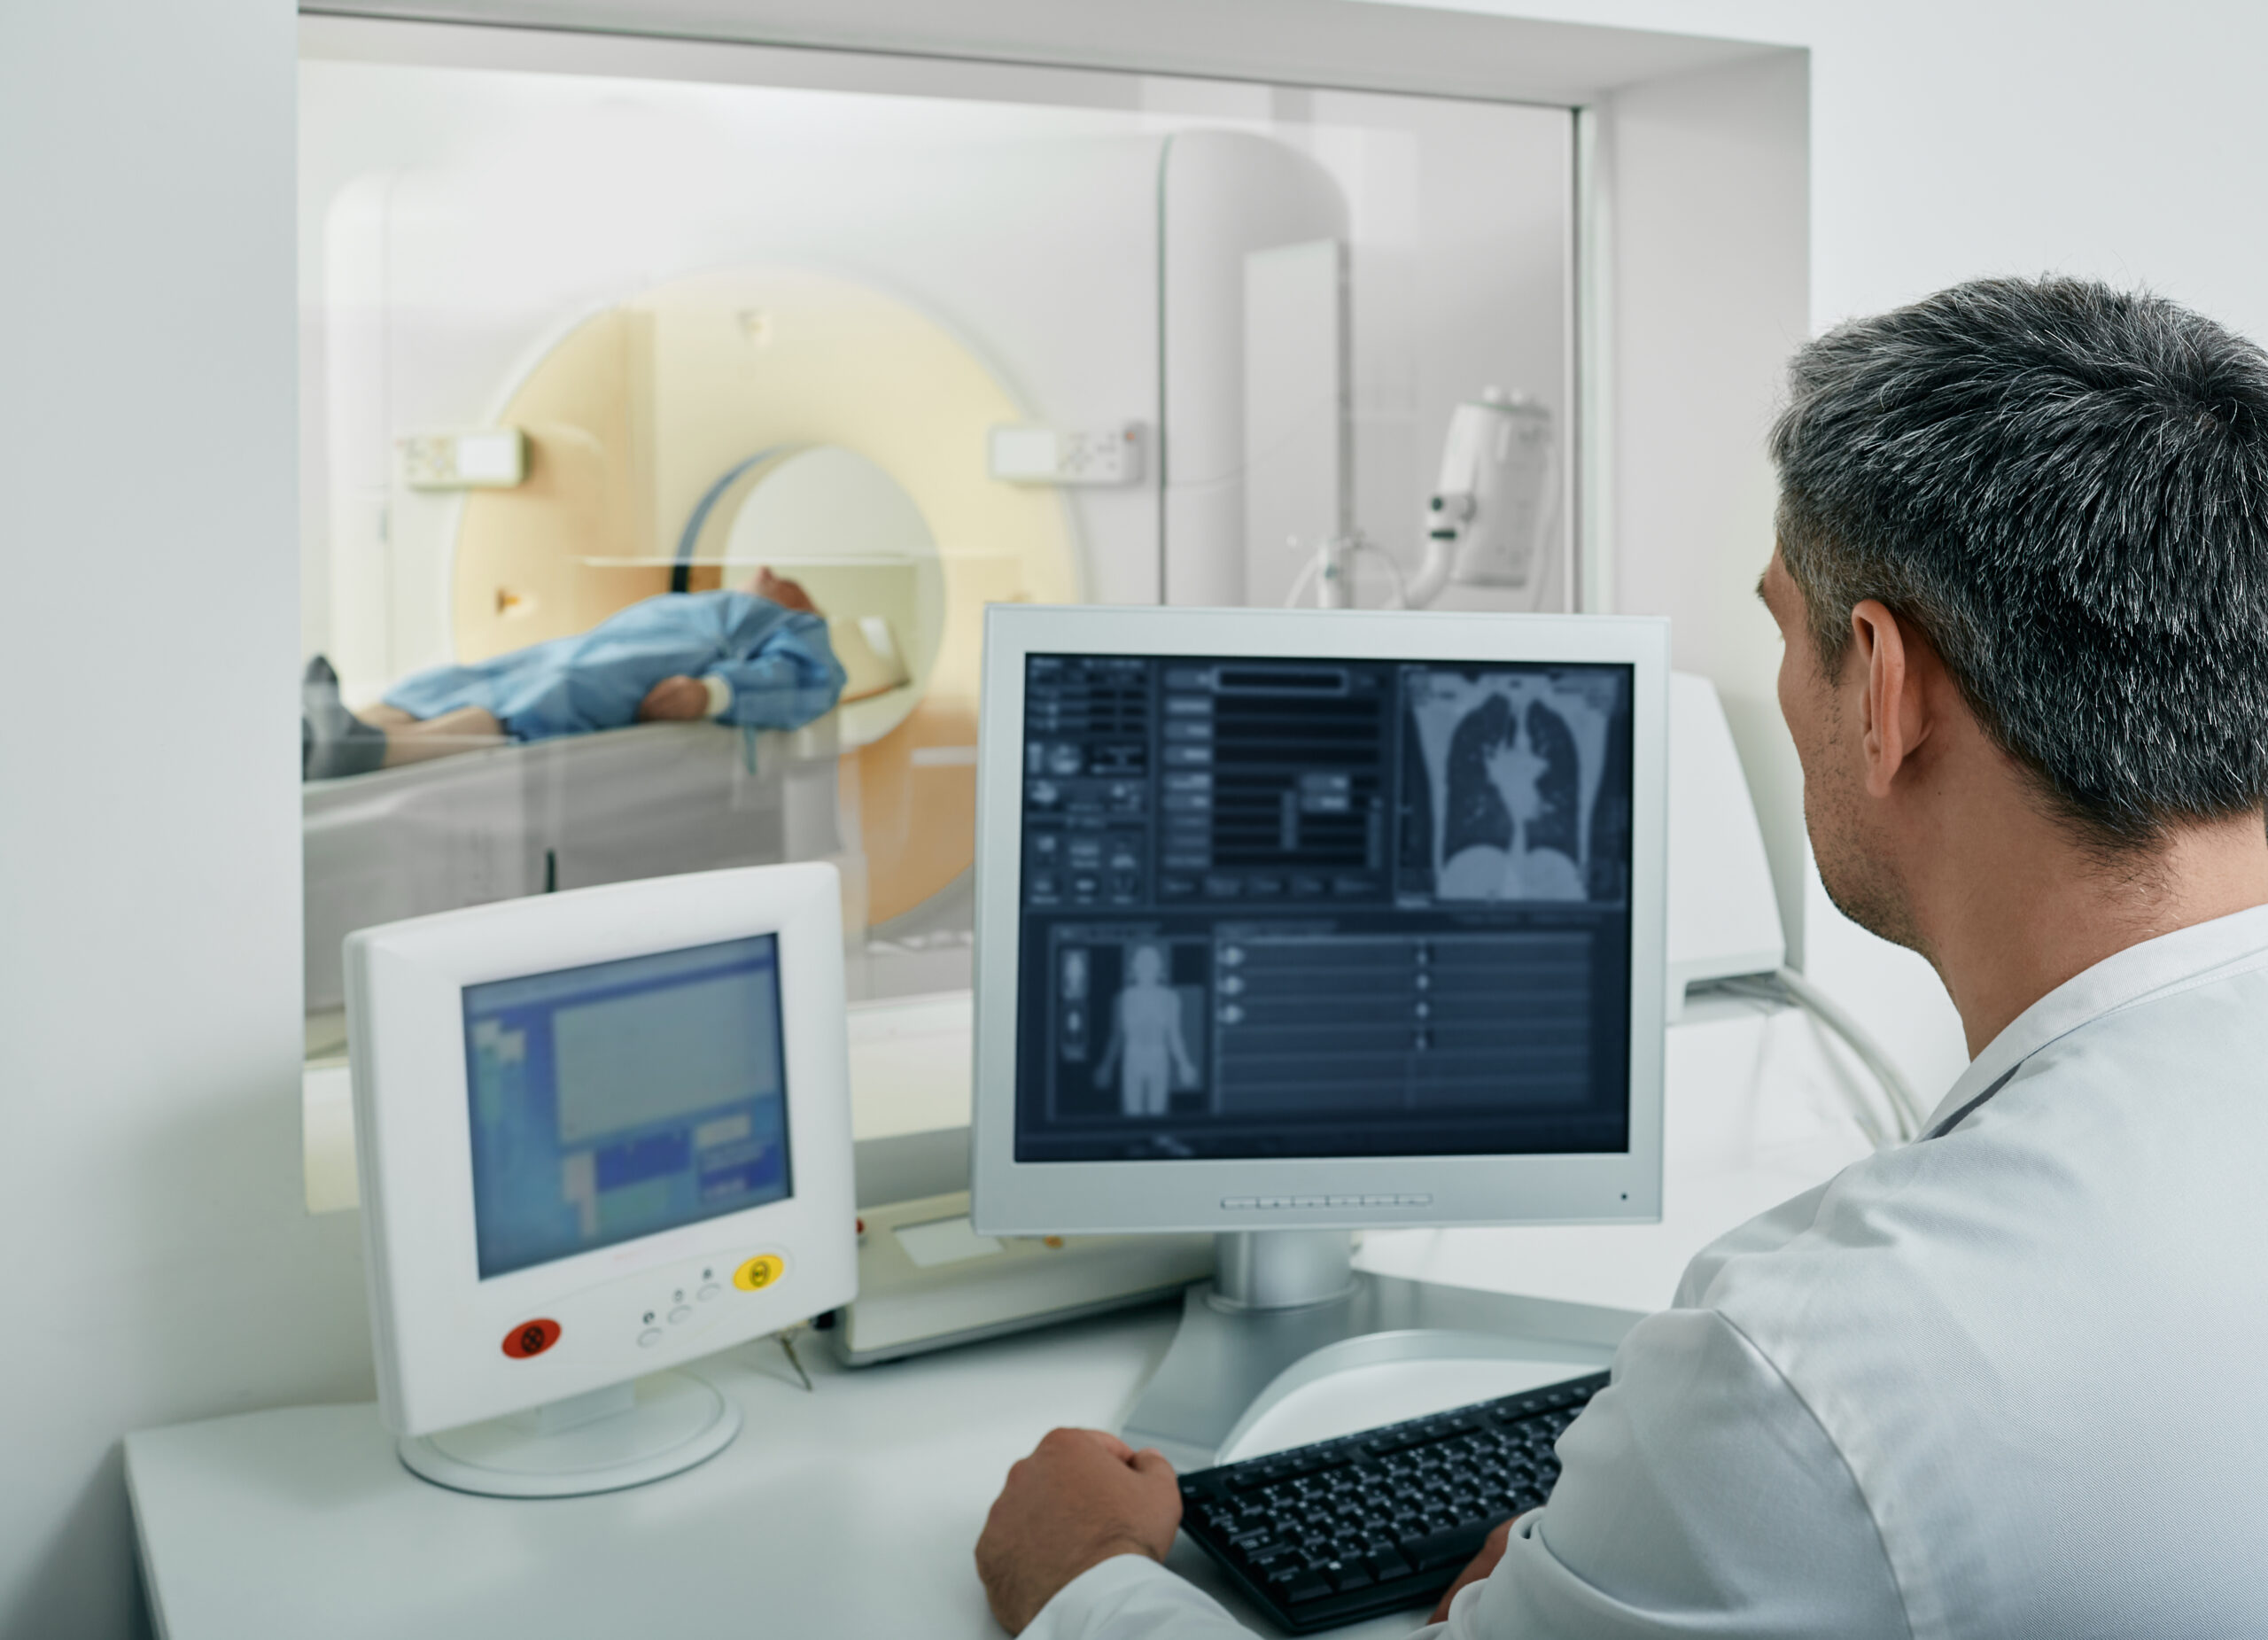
x,y
1452,1545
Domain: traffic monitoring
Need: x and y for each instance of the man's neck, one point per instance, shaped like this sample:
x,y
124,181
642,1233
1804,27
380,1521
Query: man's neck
x,y
2011,906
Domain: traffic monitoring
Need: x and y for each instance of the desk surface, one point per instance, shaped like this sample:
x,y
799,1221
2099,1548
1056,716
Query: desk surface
x,y
849,1511
852,1511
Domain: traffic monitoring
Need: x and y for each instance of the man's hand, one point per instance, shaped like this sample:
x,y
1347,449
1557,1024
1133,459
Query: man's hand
x,y
1477,1568
787,593
1081,1497
675,700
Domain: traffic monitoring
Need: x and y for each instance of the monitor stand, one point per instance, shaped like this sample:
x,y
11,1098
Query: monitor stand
x,y
623,1436
1287,1307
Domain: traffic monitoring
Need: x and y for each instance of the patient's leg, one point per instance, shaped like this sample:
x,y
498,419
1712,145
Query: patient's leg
x,y
335,742
414,740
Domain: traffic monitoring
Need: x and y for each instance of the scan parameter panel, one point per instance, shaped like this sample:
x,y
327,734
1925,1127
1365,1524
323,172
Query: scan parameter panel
x,y
1323,908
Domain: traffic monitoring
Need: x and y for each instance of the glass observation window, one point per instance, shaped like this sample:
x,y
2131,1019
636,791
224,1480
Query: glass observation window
x,y
668,428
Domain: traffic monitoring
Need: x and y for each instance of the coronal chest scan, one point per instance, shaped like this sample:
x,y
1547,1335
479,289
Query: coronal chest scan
x,y
1329,907
1503,773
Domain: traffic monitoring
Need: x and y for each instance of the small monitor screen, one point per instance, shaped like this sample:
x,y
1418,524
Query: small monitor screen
x,y
615,1100
1323,908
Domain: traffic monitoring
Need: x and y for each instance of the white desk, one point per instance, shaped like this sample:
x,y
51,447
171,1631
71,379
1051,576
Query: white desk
x,y
852,1511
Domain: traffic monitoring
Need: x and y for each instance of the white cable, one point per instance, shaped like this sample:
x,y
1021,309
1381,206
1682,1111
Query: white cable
x,y
1300,582
1906,1111
1911,1111
1362,544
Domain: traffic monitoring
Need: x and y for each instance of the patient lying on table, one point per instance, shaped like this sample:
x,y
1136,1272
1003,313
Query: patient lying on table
x,y
759,658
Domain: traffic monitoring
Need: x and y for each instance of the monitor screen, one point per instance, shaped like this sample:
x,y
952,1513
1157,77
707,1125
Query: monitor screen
x,y
1323,908
624,1098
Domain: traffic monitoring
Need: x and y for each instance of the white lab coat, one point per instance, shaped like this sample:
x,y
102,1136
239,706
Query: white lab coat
x,y
2011,1381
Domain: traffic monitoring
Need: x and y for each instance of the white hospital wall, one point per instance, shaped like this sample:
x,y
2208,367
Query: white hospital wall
x,y
1708,180
159,1266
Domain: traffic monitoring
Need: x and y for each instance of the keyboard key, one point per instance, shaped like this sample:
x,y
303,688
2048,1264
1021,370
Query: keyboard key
x,y
1305,1586
1447,1546
1388,1563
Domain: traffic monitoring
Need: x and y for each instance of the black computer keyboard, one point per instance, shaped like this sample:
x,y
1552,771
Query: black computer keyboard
x,y
1344,1529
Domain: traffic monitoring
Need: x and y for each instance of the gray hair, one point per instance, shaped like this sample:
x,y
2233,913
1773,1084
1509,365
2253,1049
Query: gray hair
x,y
2066,488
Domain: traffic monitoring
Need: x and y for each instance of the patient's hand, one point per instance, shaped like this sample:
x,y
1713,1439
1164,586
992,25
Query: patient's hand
x,y
787,593
675,700
1081,1497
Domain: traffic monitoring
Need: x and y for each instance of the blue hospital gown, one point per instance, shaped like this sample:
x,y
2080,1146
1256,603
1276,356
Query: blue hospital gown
x,y
778,662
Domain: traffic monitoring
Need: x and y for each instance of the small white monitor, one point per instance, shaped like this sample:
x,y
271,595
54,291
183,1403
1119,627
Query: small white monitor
x,y
1302,920
599,1134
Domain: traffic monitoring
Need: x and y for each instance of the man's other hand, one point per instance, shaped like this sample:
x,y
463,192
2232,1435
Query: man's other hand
x,y
787,593
675,700
1492,1550
1081,1497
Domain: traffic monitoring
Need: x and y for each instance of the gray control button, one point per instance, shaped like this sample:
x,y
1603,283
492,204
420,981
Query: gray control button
x,y
708,1292
679,1314
651,1337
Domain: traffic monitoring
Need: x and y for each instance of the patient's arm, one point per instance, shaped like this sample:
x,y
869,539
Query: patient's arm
x,y
785,673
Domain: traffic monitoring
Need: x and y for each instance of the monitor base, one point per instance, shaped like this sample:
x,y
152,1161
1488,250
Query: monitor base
x,y
1231,1363
621,1436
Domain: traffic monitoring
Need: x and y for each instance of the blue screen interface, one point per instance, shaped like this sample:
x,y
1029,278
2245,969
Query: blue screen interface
x,y
617,1099
1300,908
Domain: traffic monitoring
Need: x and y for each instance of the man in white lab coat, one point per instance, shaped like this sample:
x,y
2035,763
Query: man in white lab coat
x,y
2006,1379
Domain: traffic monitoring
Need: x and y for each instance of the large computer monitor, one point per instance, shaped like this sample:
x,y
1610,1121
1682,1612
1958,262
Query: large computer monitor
x,y
1305,919
599,1134
1301,921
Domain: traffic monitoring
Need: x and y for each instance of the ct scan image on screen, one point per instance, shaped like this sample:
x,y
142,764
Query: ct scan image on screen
x,y
1320,908
617,1099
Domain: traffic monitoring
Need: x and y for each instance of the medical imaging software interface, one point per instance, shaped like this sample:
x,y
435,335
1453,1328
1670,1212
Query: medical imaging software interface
x,y
1323,908
615,1100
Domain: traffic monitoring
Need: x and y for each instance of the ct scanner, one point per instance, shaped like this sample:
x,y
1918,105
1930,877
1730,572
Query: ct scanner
x,y
833,426
785,417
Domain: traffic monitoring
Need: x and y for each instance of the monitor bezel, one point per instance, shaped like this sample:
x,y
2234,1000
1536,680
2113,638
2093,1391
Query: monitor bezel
x,y
435,1319
1010,1197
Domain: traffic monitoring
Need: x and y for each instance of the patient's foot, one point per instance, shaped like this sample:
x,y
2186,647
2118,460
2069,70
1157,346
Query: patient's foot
x,y
333,741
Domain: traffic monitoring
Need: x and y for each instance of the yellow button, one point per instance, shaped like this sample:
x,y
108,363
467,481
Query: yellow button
x,y
760,1272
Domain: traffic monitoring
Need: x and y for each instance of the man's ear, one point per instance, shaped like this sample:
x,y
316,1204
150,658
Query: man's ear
x,y
1893,717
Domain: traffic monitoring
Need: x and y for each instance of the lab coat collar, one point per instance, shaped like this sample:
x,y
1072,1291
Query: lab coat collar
x,y
2171,961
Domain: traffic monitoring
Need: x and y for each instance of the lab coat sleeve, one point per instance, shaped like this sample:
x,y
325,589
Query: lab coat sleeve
x,y
1133,1597
789,677
1697,1496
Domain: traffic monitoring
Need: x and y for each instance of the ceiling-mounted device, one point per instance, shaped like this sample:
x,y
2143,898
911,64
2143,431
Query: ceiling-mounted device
x,y
1484,524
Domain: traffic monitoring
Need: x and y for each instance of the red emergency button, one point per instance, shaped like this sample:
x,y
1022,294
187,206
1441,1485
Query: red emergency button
x,y
531,1338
